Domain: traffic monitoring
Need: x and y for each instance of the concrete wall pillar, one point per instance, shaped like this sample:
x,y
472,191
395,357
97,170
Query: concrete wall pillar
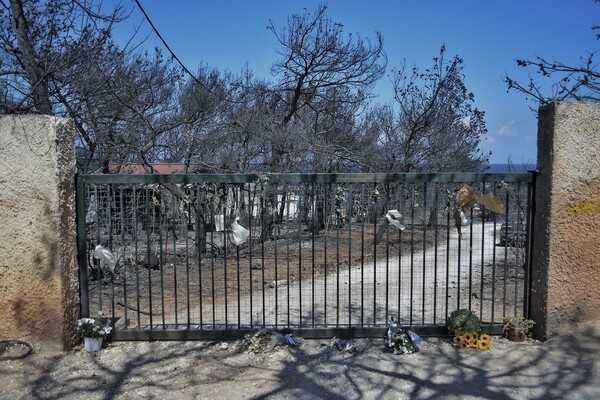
x,y
39,295
566,239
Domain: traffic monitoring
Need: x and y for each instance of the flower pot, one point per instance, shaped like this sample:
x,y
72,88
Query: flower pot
x,y
515,336
92,344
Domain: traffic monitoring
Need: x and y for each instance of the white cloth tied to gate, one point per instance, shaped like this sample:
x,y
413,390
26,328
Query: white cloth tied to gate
x,y
104,255
92,213
393,216
240,234
464,221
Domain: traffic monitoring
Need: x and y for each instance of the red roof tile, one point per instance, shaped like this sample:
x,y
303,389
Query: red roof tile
x,y
162,168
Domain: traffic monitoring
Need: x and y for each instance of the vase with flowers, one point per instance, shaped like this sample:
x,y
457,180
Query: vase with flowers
x,y
467,330
517,328
93,331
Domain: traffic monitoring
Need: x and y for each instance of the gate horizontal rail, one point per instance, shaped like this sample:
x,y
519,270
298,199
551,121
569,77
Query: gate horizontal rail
x,y
321,257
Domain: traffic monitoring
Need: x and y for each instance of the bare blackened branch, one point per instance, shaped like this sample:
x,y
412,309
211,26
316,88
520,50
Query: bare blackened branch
x,y
580,82
316,56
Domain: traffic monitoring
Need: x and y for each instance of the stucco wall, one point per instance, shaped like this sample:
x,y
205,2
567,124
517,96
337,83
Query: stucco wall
x,y
566,243
38,264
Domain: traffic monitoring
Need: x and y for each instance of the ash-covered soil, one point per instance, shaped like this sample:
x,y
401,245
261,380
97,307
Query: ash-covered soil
x,y
565,366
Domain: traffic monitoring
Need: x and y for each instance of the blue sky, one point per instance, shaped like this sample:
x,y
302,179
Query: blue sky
x,y
487,35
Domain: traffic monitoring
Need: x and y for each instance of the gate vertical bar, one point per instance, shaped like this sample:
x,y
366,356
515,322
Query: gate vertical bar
x,y
326,216
412,252
529,243
519,233
493,300
213,228
505,263
424,272
123,227
482,266
435,245
288,192
186,229
135,258
225,288
162,258
303,203
82,258
149,227
400,280
388,193
375,197
447,305
351,193
458,266
312,239
173,226
275,234
200,235
470,258
251,199
364,214
338,216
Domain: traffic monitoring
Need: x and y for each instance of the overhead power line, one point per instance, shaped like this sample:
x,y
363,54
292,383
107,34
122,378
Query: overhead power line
x,y
164,42
172,53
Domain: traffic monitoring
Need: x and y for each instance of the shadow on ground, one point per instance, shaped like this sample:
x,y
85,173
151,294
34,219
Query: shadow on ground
x,y
563,367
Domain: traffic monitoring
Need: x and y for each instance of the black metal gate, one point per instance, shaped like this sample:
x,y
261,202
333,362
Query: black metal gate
x,y
218,255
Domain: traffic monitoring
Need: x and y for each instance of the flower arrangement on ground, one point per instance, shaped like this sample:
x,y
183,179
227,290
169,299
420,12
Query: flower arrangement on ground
x,y
401,341
466,327
94,327
473,340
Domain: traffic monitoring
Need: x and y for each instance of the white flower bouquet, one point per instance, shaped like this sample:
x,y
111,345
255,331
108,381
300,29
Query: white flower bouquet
x,y
94,327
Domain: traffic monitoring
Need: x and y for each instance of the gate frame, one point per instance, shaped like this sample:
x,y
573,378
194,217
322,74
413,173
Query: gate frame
x,y
234,333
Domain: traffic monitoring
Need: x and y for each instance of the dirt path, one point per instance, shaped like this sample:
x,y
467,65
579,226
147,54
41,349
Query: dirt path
x,y
411,288
565,367
418,287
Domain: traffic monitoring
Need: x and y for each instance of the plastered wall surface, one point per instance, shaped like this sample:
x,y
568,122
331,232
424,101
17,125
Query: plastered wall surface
x,y
566,243
38,269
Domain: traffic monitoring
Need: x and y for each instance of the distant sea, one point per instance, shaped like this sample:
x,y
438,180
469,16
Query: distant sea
x,y
504,168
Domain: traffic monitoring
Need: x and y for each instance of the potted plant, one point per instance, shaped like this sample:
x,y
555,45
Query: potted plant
x,y
463,320
93,331
517,328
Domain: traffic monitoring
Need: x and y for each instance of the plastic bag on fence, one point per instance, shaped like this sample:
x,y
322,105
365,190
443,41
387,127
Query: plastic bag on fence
x,y
400,341
240,234
105,256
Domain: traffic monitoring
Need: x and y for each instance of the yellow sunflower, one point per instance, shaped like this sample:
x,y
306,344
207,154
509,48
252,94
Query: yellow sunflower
x,y
457,339
484,342
471,340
